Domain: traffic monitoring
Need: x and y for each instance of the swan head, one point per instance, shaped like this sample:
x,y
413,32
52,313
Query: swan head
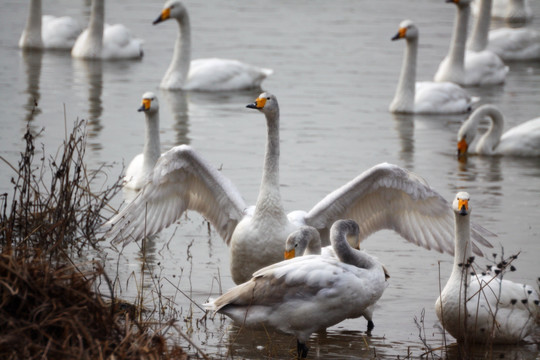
x,y
171,10
407,30
265,103
298,241
461,204
149,103
460,3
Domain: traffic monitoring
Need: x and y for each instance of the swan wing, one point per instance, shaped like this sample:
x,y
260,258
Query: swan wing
x,y
522,140
216,74
181,180
484,68
59,32
390,197
441,97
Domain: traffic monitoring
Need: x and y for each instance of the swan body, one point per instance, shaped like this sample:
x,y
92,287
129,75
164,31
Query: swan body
x,y
515,44
383,197
513,11
466,67
203,74
47,31
289,295
307,241
105,42
424,97
481,309
141,166
522,140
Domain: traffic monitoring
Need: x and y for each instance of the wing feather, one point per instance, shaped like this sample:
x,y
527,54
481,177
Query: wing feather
x,y
180,181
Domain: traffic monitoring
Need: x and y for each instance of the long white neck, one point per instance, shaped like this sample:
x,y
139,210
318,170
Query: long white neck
x,y
95,27
152,144
405,92
345,253
269,200
31,36
456,54
179,68
489,141
479,36
462,251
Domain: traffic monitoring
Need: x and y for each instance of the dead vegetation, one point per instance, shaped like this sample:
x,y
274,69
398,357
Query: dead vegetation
x,y
51,305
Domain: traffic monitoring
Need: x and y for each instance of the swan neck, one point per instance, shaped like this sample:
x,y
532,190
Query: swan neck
x,y
314,246
179,67
269,198
405,92
347,254
462,251
152,149
459,38
31,36
97,22
479,36
490,140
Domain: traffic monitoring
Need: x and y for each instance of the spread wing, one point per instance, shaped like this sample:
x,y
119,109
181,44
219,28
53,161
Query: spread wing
x,y
181,180
390,197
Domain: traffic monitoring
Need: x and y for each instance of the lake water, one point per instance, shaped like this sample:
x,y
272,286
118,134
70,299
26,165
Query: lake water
x,y
335,72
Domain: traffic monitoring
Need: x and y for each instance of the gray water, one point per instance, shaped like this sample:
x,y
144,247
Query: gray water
x,y
335,72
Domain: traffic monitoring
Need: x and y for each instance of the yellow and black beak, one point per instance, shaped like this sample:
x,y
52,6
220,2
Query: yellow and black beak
x,y
258,104
289,254
165,14
145,105
462,147
463,206
400,34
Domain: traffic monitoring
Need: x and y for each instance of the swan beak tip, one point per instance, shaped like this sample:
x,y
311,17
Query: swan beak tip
x,y
252,106
157,21
289,254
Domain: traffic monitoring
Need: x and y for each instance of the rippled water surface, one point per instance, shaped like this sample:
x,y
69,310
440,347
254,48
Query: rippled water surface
x,y
335,72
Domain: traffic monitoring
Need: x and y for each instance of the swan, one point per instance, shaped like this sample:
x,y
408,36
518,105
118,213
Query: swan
x,y
105,42
424,97
513,11
522,140
307,241
141,166
383,197
498,311
47,31
469,68
507,43
289,295
203,74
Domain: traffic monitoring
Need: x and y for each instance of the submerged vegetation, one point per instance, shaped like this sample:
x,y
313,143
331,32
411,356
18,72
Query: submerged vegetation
x,y
51,300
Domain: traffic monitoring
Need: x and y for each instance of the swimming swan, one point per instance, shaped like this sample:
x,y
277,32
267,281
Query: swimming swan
x,y
383,197
487,317
507,43
141,166
203,74
469,68
307,241
512,11
289,296
522,140
105,42
425,97
47,31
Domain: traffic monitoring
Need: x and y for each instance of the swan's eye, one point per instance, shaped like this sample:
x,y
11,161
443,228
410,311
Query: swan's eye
x,y
267,98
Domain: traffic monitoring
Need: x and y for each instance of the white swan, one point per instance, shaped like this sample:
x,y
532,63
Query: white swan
x,y
203,74
47,31
522,140
289,296
141,166
507,43
469,68
383,197
424,97
307,241
513,11
105,42
497,311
